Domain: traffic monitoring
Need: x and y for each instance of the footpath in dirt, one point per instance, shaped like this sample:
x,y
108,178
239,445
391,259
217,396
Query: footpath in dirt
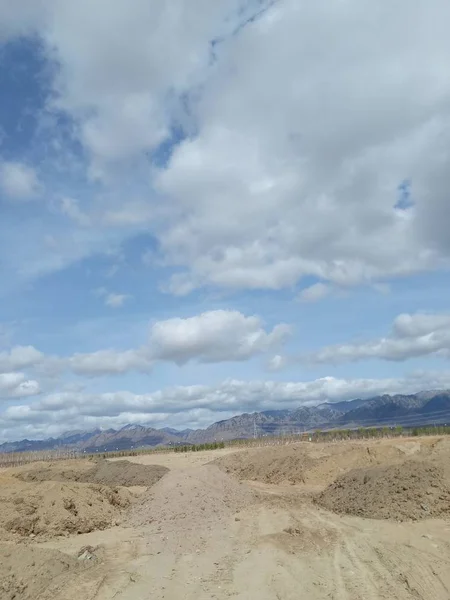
x,y
273,523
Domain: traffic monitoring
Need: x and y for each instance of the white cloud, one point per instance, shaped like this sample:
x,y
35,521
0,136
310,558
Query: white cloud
x,y
295,145
19,20
214,336
302,144
119,96
194,406
118,86
18,181
297,130
20,357
414,335
116,300
112,299
108,362
16,385
419,324
315,292
277,362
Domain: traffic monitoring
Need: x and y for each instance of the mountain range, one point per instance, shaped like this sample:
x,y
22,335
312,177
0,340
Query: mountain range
x,y
386,410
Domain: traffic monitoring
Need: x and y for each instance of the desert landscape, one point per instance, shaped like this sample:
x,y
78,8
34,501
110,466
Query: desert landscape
x,y
344,520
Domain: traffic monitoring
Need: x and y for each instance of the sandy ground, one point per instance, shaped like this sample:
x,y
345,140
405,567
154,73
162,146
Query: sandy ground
x,y
204,531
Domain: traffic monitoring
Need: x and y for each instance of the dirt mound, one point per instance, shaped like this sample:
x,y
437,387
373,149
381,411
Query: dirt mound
x,y
49,509
58,470
316,464
112,473
59,498
186,501
206,492
269,465
28,572
124,473
413,490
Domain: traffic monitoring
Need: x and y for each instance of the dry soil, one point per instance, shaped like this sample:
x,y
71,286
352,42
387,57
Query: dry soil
x,y
312,521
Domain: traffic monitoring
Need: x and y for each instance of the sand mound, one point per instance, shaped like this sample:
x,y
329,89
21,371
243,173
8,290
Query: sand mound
x,y
200,493
124,473
269,465
28,572
314,464
53,508
306,463
58,470
189,501
412,490
59,498
112,473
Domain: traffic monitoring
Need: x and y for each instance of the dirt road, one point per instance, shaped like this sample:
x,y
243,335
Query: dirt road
x,y
200,534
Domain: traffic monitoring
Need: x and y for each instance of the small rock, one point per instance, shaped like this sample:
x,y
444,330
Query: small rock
x,y
86,556
86,553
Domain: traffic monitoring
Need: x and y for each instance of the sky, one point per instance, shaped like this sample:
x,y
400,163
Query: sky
x,y
209,208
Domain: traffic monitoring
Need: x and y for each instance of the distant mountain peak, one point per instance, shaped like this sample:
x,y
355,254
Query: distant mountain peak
x,y
431,406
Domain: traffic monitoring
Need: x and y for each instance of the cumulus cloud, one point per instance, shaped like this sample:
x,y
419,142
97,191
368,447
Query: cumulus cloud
x,y
18,181
20,357
194,406
294,131
214,336
108,362
116,86
211,337
16,385
414,335
301,147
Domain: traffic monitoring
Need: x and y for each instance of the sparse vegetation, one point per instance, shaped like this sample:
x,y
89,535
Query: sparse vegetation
x,y
15,459
199,447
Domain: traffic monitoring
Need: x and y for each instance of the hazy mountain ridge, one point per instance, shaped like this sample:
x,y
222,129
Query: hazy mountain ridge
x,y
398,409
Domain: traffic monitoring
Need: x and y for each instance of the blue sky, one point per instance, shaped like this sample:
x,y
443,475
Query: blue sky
x,y
185,236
